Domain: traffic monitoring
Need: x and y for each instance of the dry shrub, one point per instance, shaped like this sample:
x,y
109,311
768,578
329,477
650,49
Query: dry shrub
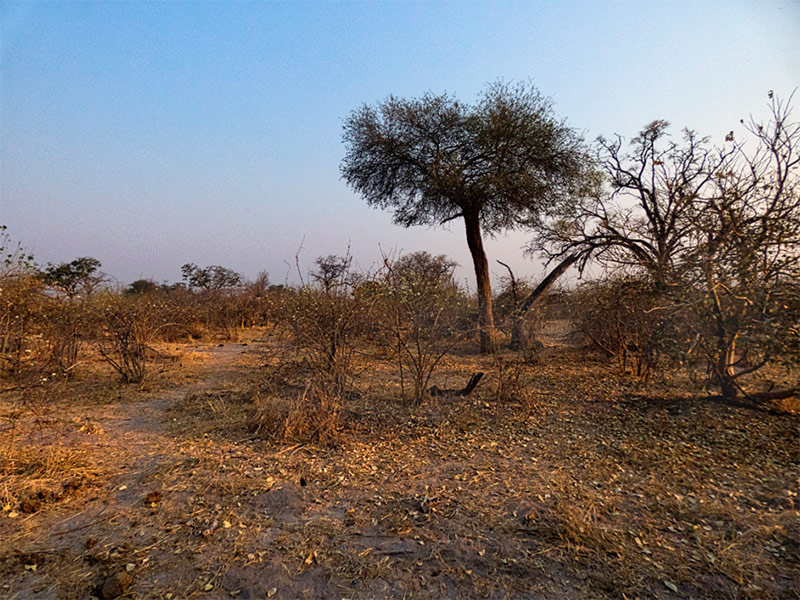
x,y
512,383
622,317
270,414
507,373
313,416
328,320
425,314
530,401
127,326
20,317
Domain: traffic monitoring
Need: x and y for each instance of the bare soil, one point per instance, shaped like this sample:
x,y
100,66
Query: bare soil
x,y
558,479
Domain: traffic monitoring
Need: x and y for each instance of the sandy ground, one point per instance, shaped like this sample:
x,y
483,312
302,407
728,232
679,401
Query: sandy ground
x,y
584,490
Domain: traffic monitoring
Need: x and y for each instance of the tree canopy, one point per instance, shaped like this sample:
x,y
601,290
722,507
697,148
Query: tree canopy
x,y
210,279
80,275
502,162
432,159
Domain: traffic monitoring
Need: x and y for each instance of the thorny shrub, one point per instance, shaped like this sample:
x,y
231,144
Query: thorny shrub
x,y
202,313
63,325
508,373
623,317
21,303
327,321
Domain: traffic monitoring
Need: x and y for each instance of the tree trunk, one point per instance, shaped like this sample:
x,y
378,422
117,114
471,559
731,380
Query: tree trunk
x,y
726,351
725,370
485,315
518,331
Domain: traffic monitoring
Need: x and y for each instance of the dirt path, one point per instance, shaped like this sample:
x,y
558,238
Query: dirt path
x,y
135,423
127,445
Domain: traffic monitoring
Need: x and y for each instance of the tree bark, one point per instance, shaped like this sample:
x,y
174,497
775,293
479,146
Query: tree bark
x,y
481,264
725,370
726,351
518,340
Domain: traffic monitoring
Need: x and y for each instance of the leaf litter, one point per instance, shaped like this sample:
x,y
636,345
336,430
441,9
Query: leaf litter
x,y
586,485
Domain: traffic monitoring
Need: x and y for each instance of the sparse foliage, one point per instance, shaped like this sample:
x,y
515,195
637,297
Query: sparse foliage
x,y
127,327
621,317
425,315
716,232
20,297
745,264
327,321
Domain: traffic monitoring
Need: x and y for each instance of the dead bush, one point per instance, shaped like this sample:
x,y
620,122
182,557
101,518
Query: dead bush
x,y
423,312
20,312
507,374
63,323
328,321
623,317
269,415
127,326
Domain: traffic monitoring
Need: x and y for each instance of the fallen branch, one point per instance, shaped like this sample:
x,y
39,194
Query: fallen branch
x,y
776,395
466,391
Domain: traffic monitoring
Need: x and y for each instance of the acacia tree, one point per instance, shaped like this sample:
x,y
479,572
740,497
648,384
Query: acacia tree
x,y
500,163
210,279
79,276
332,271
77,281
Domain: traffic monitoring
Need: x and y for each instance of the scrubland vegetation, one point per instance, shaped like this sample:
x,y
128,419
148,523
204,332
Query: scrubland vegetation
x,y
634,435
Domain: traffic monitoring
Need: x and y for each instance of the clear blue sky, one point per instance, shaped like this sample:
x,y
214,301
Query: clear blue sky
x,y
149,135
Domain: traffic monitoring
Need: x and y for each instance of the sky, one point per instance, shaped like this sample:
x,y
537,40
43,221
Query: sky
x,y
152,134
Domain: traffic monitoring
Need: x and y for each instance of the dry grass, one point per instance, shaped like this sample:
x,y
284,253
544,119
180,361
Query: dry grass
x,y
35,475
312,416
552,480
